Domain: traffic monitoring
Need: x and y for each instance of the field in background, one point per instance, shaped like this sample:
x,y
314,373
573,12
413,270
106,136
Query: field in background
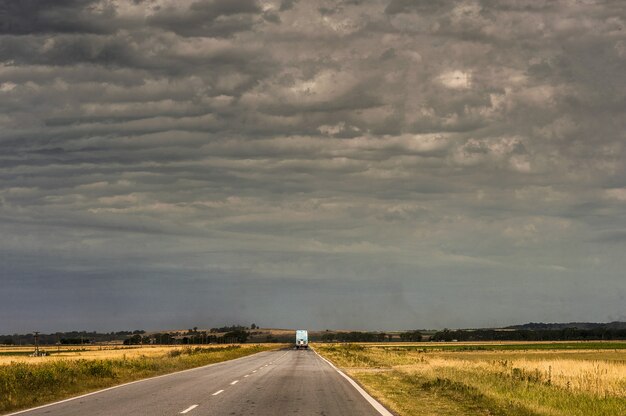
x,y
529,379
87,352
30,381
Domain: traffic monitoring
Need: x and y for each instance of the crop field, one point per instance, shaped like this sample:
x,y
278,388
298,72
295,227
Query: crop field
x,y
30,381
88,352
530,379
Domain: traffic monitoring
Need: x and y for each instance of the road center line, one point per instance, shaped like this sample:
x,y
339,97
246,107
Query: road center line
x,y
189,409
217,392
254,371
234,382
247,375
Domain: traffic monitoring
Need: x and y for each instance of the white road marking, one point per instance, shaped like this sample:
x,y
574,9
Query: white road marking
x,y
217,392
247,375
379,407
234,382
189,409
254,371
124,385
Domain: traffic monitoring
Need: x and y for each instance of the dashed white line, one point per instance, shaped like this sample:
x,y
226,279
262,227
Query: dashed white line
x,y
254,371
247,375
234,382
189,409
217,392
143,380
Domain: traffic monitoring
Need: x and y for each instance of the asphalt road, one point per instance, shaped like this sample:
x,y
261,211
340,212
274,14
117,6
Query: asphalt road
x,y
274,383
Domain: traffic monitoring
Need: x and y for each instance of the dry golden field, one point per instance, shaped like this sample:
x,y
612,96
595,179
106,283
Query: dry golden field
x,y
91,352
556,379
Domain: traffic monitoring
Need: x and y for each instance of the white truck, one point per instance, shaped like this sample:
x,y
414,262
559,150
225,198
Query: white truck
x,y
302,339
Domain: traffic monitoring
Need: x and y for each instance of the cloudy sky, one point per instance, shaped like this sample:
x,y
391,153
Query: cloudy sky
x,y
379,164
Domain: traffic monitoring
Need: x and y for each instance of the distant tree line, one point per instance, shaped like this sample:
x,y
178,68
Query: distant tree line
x,y
222,335
535,326
565,334
231,328
239,336
72,337
356,336
235,334
128,338
353,336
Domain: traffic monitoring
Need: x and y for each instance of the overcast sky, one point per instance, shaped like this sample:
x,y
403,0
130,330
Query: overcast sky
x,y
351,164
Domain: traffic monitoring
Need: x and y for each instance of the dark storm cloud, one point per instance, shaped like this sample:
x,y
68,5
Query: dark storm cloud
x,y
613,237
219,18
418,6
287,4
122,51
333,153
63,16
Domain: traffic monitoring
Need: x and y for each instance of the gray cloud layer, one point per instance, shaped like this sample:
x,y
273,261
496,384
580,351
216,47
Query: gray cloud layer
x,y
369,163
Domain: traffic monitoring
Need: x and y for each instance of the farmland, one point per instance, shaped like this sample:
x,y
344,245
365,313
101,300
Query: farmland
x,y
29,381
10,355
529,379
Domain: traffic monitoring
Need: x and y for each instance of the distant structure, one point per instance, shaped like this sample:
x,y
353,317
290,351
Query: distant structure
x,y
37,352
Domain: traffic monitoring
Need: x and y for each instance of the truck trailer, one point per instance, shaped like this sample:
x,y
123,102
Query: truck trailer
x,y
302,339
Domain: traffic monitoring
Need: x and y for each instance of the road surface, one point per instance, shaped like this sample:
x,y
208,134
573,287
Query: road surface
x,y
273,383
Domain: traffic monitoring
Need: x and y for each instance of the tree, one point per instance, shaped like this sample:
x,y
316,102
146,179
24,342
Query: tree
x,y
329,337
236,337
411,336
134,340
253,326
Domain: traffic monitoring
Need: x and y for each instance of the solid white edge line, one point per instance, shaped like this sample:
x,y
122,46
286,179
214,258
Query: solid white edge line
x,y
127,384
234,382
189,409
217,392
379,407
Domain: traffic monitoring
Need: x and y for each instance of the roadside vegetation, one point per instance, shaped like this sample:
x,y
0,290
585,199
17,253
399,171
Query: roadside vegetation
x,y
526,379
31,381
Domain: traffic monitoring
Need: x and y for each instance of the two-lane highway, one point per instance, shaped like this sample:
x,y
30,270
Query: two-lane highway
x,y
287,382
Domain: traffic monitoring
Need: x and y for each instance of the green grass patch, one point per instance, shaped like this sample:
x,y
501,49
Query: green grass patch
x,y
412,395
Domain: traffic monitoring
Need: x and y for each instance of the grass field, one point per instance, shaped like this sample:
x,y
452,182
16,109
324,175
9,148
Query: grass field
x,y
30,381
529,379
87,352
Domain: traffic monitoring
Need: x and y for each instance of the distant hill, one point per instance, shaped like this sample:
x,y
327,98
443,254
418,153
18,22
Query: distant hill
x,y
538,326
